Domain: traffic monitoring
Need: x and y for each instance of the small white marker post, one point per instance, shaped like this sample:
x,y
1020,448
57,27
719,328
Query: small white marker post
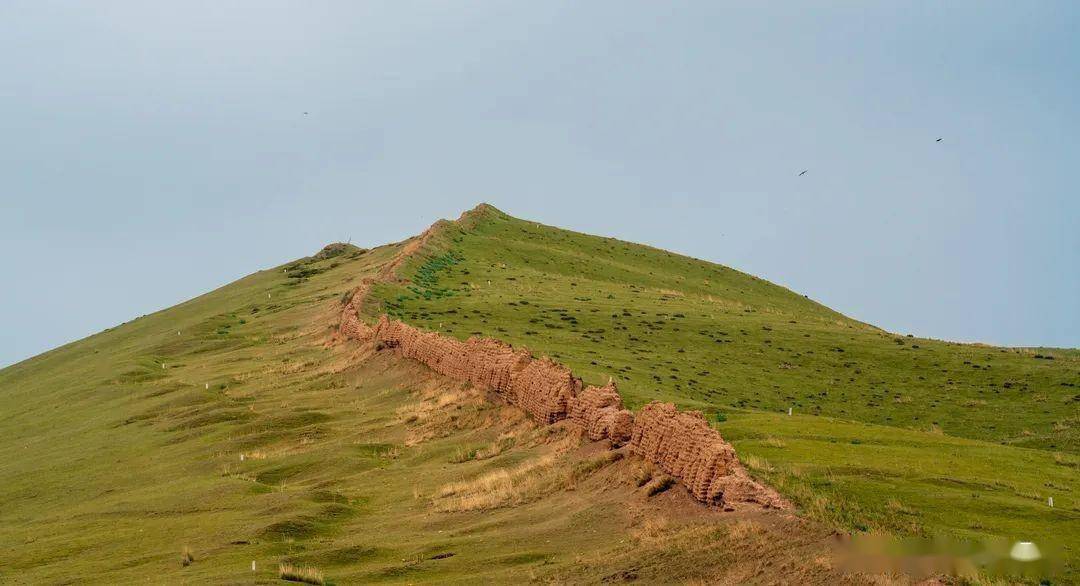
x,y
268,296
207,386
162,366
241,457
252,565
1050,501
789,410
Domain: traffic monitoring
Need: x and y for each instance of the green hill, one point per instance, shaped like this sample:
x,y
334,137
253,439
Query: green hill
x,y
889,431
231,430
234,427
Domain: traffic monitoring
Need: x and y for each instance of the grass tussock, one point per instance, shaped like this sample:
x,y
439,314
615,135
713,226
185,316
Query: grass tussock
x,y
587,467
1067,460
506,487
307,575
757,463
643,474
659,484
774,442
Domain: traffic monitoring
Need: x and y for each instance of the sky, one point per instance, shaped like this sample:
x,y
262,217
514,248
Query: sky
x,y
152,151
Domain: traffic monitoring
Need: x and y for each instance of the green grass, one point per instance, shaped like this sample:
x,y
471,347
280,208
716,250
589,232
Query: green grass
x,y
117,470
891,432
906,482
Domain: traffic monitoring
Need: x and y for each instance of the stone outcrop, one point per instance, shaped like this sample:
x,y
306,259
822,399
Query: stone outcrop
x,y
681,444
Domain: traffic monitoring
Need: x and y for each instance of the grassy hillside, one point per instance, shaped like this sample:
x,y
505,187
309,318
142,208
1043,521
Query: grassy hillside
x,y
890,431
678,329
122,451
185,445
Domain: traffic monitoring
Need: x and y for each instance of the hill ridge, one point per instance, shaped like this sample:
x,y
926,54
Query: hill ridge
x,y
679,443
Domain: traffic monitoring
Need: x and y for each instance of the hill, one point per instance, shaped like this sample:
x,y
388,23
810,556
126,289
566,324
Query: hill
x,y
238,427
212,441
890,432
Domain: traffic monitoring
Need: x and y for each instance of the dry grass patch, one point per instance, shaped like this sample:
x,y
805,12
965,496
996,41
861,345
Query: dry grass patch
x,y
304,574
745,529
441,412
659,484
774,442
757,464
186,557
1067,460
502,488
643,474
586,467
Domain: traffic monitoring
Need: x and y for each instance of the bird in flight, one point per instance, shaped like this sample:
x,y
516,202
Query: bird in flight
x,y
305,113
938,140
804,172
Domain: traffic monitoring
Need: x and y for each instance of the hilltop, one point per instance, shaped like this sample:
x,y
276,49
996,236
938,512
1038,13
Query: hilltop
x,y
239,426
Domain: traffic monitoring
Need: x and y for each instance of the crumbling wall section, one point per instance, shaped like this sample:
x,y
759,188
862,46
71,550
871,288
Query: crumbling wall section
x,y
600,411
684,445
680,443
351,326
541,387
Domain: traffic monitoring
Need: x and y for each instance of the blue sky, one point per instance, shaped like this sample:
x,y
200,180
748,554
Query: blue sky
x,y
151,151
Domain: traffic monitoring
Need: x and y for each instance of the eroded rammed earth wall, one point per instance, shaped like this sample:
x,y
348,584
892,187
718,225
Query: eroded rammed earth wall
x,y
682,444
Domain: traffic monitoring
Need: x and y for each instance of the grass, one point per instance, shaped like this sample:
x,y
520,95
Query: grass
x,y
674,328
505,486
303,574
659,485
889,432
111,461
853,474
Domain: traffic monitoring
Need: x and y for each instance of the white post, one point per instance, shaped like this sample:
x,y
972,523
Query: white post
x,y
207,386
252,565
241,457
1050,501
789,410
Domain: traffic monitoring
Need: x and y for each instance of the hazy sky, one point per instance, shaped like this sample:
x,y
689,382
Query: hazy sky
x,y
151,151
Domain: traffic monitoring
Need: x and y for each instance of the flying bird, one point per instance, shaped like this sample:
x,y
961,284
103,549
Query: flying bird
x,y
938,140
305,113
804,172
